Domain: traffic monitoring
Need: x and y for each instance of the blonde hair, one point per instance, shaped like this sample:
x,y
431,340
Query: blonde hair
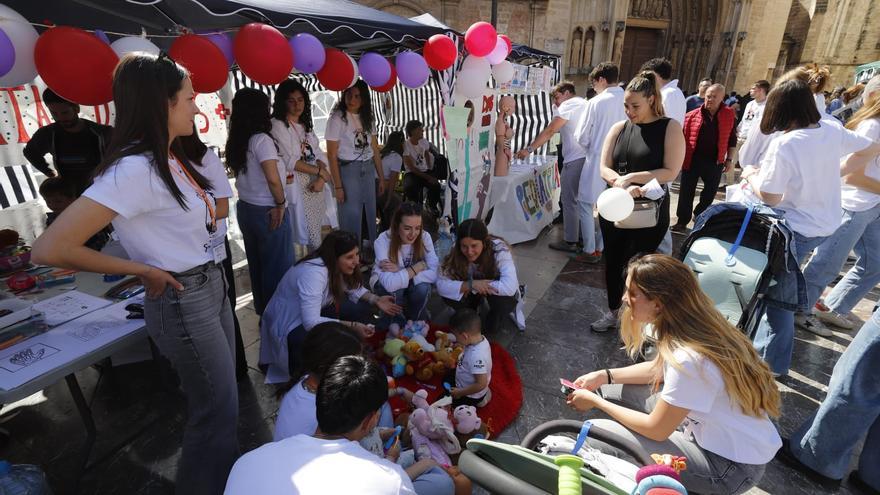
x,y
646,84
688,319
871,107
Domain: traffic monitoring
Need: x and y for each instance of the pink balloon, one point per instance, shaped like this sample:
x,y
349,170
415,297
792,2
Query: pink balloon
x,y
480,39
499,53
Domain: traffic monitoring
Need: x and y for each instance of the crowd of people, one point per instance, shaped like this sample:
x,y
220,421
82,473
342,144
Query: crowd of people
x,y
709,394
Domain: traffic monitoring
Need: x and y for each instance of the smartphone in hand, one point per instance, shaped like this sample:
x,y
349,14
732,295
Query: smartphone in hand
x,y
567,386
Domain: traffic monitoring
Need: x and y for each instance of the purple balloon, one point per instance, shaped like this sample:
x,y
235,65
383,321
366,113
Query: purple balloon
x,y
374,69
308,53
7,54
224,44
102,36
412,70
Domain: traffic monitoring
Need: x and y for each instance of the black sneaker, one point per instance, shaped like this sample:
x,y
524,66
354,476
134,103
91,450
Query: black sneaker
x,y
568,247
786,457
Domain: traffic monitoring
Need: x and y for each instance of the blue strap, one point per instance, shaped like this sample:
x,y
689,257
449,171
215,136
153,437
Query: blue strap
x,y
730,261
582,437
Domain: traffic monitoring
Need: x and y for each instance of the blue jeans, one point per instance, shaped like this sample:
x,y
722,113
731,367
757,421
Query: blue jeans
x,y
851,409
570,181
774,338
859,232
434,481
590,232
359,185
269,252
193,329
413,298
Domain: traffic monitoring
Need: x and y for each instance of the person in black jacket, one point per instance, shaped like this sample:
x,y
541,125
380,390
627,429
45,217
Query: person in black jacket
x,y
76,144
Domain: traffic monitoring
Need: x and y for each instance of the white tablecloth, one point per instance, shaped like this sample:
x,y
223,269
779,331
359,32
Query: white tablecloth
x,y
526,200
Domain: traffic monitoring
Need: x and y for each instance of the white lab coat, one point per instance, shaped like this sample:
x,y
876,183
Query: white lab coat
x,y
603,111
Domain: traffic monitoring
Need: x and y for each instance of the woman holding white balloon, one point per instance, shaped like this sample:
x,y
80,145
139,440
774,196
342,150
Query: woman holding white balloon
x,y
646,148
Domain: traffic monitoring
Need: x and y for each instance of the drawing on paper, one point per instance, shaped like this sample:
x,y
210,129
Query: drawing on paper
x,y
26,357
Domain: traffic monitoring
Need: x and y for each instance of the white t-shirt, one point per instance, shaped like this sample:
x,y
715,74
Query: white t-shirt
x,y
296,415
854,199
804,166
151,225
674,105
603,111
354,142
571,110
252,185
391,163
417,153
718,424
475,360
751,117
213,170
305,465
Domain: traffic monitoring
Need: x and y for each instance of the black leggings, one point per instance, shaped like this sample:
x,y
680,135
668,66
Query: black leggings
x,y
499,307
412,190
241,367
622,244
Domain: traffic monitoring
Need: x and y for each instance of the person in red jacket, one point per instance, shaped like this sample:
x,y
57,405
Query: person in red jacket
x,y
711,141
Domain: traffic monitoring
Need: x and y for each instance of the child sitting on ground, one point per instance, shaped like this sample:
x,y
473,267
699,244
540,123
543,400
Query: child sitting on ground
x,y
59,193
473,373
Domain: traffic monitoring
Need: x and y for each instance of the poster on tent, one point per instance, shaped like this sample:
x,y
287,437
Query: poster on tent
x,y
518,83
23,112
471,153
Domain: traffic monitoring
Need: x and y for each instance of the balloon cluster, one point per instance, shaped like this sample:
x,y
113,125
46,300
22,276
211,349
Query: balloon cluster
x,y
488,52
78,65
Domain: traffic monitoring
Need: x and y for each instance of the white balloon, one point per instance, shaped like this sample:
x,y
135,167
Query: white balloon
x,y
470,83
477,63
503,72
615,204
131,44
499,53
23,37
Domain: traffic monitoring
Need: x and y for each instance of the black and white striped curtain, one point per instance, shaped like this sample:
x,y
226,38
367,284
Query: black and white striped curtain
x,y
392,110
17,185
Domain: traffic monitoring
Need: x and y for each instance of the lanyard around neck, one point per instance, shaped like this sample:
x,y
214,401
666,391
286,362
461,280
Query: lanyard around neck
x,y
198,189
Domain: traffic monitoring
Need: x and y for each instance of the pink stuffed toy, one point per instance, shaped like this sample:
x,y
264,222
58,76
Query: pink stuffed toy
x,y
466,419
431,430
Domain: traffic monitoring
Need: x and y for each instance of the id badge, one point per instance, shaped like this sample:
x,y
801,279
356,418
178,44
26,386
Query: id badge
x,y
218,248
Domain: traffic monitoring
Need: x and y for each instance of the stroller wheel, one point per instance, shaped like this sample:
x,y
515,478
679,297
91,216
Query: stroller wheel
x,y
570,426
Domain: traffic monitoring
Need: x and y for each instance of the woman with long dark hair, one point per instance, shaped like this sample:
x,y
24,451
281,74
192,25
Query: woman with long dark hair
x,y
163,211
353,152
323,286
265,226
305,163
479,267
645,147
406,264
212,168
800,176
706,396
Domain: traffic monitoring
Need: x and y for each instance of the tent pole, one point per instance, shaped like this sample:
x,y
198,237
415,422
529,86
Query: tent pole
x,y
495,13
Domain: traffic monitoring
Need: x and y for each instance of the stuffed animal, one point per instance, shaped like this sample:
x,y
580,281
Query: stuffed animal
x,y
433,435
393,331
466,419
394,349
413,328
426,346
444,352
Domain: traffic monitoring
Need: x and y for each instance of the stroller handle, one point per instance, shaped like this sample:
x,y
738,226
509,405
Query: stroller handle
x,y
633,449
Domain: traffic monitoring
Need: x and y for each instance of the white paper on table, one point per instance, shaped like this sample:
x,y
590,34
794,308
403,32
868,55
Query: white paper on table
x,y
65,307
42,353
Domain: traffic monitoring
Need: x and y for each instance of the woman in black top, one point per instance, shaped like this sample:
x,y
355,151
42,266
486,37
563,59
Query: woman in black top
x,y
645,147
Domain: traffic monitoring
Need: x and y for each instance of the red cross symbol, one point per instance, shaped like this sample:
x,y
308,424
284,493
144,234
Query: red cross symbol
x,y
221,111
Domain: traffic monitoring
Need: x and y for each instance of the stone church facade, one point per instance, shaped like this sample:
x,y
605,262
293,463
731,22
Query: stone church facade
x,y
735,42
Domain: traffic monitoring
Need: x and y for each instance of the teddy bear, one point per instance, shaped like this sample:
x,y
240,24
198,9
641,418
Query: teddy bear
x,y
466,419
445,349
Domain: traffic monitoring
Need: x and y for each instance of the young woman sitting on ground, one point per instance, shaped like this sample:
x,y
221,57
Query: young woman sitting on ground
x,y
706,396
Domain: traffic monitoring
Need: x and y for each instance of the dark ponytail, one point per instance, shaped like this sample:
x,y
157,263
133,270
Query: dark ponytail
x,y
646,84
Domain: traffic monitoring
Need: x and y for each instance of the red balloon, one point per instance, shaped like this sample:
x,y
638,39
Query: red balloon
x,y
392,81
480,39
509,43
76,65
263,53
203,59
338,73
439,52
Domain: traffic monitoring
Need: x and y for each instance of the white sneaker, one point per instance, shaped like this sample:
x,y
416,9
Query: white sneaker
x,y
811,324
832,317
607,322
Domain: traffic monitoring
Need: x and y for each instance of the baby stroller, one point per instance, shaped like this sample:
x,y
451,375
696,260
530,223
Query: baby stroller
x,y
735,251
522,469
